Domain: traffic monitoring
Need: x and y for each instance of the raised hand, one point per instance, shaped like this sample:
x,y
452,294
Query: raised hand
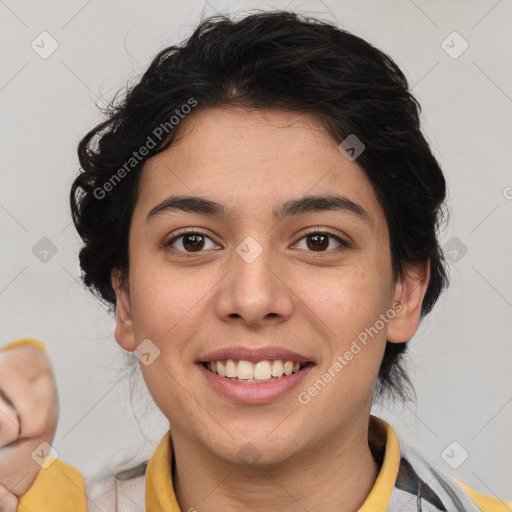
x,y
28,417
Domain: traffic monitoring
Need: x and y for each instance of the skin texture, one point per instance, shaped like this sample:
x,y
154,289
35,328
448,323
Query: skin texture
x,y
26,378
312,301
8,501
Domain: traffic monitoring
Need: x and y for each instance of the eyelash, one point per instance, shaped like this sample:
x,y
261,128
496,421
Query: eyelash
x,y
343,243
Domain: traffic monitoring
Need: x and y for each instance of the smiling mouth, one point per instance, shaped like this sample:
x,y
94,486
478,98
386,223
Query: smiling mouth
x,y
254,373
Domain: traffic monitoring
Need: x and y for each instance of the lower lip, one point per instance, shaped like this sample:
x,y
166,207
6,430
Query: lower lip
x,y
255,393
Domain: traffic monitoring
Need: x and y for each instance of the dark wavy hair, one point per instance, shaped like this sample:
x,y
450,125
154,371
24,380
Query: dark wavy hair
x,y
271,60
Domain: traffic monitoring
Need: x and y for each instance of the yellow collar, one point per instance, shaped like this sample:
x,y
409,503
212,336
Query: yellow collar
x,y
160,495
58,487
378,499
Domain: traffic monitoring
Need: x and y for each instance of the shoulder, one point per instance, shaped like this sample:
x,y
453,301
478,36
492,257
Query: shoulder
x,y
122,492
418,474
485,502
57,487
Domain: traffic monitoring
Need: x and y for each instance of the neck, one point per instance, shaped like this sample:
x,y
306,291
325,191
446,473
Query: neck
x,y
334,476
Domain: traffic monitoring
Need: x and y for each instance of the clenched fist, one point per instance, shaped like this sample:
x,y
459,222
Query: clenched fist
x,y
28,416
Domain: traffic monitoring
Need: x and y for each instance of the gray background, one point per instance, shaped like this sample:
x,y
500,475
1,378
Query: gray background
x,y
461,354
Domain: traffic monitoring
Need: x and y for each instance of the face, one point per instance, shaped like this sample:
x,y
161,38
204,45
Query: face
x,y
260,278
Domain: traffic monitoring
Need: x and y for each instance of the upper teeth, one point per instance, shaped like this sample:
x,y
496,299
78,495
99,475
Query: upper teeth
x,y
246,370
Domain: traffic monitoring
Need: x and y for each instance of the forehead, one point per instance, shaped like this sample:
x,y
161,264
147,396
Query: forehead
x,y
254,158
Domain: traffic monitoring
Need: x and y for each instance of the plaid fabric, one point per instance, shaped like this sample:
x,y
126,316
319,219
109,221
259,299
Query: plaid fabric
x,y
421,488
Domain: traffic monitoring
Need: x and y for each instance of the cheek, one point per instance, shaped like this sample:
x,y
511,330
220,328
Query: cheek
x,y
165,304
347,306
167,309
345,303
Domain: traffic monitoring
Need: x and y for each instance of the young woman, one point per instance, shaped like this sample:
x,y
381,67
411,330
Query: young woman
x,y
262,211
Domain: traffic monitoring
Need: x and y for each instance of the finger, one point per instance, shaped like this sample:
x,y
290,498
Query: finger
x,y
9,421
26,376
8,502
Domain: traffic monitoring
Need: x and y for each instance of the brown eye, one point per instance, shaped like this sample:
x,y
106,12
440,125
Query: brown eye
x,y
191,241
317,242
320,241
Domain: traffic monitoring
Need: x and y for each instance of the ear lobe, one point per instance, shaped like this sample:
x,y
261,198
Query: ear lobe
x,y
409,293
123,332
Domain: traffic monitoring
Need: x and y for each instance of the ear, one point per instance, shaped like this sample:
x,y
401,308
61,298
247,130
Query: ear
x,y
409,293
123,331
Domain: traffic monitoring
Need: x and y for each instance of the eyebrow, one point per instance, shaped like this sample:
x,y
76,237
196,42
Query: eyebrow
x,y
306,204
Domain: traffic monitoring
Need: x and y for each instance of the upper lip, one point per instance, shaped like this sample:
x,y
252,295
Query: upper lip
x,y
253,354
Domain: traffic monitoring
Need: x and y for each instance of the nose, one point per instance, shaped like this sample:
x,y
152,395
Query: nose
x,y
254,292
